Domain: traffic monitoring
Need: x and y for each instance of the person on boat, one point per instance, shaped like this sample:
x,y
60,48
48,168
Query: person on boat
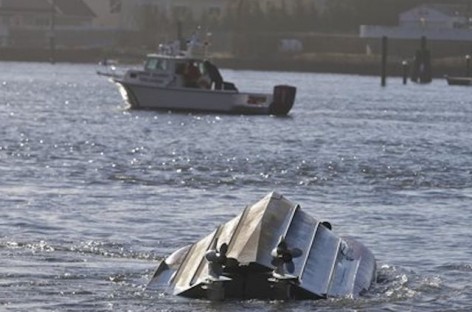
x,y
191,75
214,74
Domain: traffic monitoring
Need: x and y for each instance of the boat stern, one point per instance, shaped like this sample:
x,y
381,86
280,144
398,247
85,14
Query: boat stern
x,y
272,250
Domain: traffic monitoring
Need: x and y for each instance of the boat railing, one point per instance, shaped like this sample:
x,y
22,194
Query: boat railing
x,y
195,46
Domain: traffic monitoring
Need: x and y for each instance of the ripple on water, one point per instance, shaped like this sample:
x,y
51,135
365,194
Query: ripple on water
x,y
94,195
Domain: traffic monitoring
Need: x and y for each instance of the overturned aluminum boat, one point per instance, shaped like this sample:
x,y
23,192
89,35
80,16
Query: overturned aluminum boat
x,y
272,250
185,80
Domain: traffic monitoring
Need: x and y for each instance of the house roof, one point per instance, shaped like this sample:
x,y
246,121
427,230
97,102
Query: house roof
x,y
74,8
452,10
63,7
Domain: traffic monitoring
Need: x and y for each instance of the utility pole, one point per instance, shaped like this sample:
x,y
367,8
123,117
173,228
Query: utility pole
x,y
240,29
384,61
52,34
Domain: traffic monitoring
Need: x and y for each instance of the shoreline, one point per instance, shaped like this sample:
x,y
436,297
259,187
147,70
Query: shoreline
x,y
335,63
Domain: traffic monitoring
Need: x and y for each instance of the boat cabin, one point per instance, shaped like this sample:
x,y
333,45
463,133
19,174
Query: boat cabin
x,y
180,72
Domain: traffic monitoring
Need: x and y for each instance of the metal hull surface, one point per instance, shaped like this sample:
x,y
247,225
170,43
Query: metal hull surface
x,y
188,99
272,250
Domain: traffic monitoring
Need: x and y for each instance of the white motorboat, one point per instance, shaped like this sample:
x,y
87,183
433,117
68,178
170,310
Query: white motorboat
x,y
184,80
272,250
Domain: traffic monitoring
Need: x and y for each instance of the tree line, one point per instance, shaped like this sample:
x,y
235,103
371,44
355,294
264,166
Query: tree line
x,y
338,16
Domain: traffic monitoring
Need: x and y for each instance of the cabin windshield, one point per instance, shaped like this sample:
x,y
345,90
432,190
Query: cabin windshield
x,y
156,64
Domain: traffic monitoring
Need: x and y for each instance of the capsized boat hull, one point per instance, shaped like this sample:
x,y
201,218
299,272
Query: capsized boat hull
x,y
141,96
272,250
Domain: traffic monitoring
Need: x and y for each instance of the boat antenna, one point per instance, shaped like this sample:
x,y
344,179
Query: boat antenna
x,y
180,36
207,43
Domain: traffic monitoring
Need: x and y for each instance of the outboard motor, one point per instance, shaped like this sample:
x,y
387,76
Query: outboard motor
x,y
284,97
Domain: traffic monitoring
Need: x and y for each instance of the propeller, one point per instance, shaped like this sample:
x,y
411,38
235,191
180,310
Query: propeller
x,y
283,256
216,259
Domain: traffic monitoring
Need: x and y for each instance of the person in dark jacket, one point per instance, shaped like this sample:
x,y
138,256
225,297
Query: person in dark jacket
x,y
214,74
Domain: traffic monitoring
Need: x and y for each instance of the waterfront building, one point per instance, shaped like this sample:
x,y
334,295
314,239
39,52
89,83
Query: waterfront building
x,y
433,21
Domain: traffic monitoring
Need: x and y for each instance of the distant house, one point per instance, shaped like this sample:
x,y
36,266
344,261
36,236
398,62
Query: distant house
x,y
434,16
39,13
18,14
26,23
434,21
73,13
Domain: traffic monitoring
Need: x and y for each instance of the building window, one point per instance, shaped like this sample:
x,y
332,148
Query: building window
x,y
115,6
214,12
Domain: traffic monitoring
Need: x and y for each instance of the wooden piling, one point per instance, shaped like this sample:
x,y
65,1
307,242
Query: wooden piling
x,y
405,71
52,34
421,72
467,65
384,61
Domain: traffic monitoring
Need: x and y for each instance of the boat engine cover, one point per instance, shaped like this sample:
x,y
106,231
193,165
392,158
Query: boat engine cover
x,y
283,99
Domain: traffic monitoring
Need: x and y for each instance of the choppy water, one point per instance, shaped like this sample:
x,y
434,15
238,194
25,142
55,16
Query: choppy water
x,y
92,195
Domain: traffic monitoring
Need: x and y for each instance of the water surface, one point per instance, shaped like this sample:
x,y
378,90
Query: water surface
x,y
93,195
